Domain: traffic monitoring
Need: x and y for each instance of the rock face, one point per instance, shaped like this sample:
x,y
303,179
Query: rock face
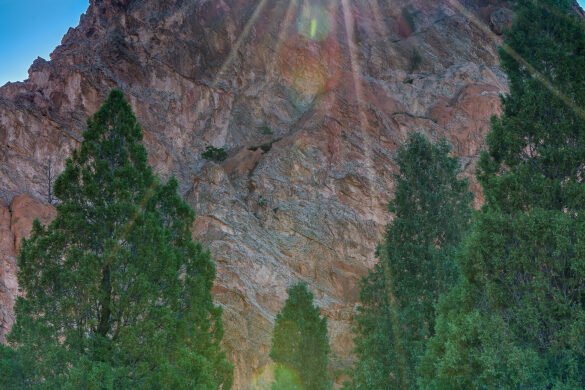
x,y
15,224
501,19
332,86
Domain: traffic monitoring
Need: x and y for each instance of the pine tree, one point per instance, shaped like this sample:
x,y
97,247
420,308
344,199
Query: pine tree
x,y
432,210
517,318
300,344
117,295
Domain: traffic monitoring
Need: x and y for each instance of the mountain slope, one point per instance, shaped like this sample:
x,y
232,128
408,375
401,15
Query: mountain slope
x,y
329,87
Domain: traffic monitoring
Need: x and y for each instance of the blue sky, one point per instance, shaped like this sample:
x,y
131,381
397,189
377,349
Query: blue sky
x,y
33,28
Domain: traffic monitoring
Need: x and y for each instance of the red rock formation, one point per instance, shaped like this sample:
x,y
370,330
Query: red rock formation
x,y
8,285
15,224
340,83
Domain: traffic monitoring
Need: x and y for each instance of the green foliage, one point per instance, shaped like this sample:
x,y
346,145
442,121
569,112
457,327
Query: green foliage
x,y
12,372
215,154
432,210
537,147
299,342
285,379
517,318
266,146
117,293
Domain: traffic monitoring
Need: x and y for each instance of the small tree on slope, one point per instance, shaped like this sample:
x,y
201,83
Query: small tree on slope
x,y
299,342
432,211
117,295
517,318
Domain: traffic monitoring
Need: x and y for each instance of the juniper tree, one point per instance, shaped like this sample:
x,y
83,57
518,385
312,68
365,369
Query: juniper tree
x,y
432,211
117,294
517,319
300,344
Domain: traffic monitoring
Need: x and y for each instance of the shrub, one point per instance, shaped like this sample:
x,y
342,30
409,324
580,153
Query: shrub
x,y
215,154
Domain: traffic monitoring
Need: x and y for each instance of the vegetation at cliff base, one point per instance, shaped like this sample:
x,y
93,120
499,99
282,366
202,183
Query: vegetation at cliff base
x,y
503,307
117,295
299,344
516,320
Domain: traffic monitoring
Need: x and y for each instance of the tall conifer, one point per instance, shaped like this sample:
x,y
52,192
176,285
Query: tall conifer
x,y
432,210
300,343
517,319
117,295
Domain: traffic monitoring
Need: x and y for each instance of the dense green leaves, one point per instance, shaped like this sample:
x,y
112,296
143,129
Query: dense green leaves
x,y
537,147
215,154
517,318
432,210
117,293
299,344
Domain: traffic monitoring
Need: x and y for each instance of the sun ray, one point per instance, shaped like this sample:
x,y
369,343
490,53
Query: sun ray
x,y
239,42
382,28
150,192
292,5
354,60
357,79
357,84
232,54
514,54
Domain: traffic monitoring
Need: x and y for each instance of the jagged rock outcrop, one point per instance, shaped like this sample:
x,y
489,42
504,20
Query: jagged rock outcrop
x,y
331,86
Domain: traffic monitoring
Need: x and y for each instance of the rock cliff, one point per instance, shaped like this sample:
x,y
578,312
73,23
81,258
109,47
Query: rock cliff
x,y
329,87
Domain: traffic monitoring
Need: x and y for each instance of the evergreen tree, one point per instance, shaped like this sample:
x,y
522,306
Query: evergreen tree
x,y
432,210
12,373
517,318
117,295
300,344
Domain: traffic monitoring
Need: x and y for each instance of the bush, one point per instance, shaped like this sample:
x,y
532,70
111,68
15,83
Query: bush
x,y
266,146
215,154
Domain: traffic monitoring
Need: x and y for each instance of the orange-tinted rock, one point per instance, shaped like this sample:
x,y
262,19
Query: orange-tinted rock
x,y
16,223
8,285
25,209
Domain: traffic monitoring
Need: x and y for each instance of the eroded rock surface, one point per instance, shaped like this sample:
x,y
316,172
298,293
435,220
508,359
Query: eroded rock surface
x,y
16,223
332,86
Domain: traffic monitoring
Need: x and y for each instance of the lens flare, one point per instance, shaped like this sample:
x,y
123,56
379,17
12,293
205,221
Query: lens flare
x,y
313,22
313,28
241,39
285,377
310,67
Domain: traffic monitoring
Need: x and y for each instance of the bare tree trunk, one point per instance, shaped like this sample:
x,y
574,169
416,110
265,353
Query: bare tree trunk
x,y
50,178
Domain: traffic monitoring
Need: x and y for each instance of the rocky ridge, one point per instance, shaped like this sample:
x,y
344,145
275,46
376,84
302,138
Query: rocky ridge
x,y
331,87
